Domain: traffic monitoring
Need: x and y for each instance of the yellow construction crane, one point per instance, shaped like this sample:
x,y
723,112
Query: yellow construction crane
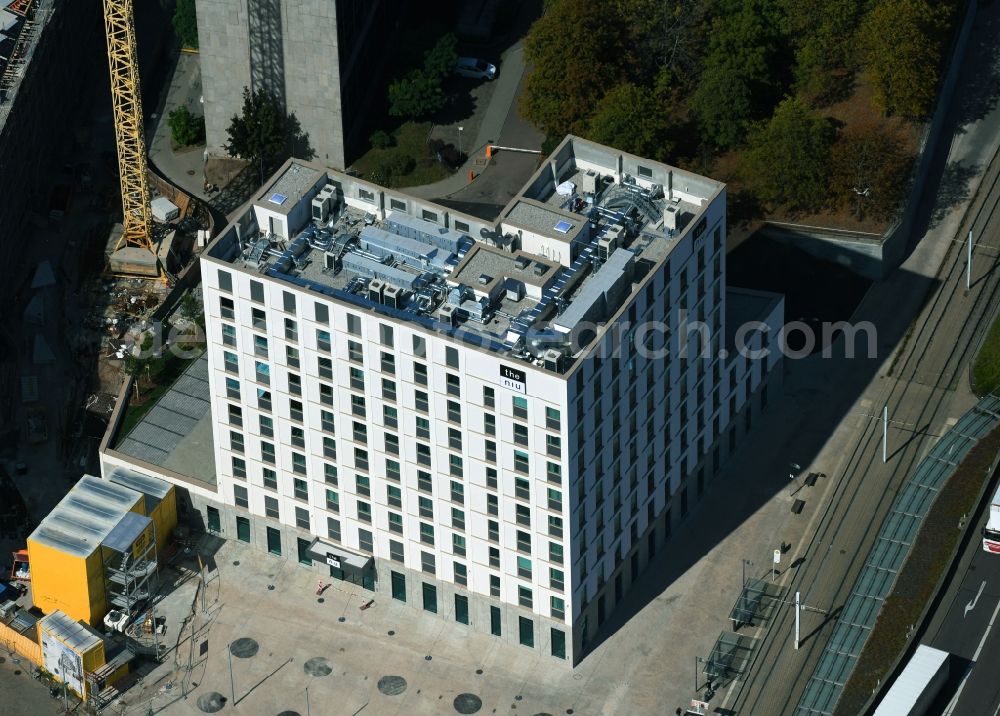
x,y
129,136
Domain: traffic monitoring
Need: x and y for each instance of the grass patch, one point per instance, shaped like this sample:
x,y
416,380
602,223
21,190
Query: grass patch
x,y
163,373
927,563
986,369
407,162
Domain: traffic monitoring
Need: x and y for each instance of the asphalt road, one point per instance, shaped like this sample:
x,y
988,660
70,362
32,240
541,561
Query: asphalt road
x,y
965,626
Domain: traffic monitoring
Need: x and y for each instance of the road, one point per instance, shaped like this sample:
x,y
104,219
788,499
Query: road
x,y
924,384
965,625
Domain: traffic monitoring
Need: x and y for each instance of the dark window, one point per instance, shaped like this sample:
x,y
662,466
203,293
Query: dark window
x,y
430,597
526,631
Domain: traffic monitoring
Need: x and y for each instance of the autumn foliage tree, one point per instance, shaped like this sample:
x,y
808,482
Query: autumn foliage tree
x,y
900,43
634,120
869,170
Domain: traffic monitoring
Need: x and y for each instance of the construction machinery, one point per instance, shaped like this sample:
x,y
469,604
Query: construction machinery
x,y
133,252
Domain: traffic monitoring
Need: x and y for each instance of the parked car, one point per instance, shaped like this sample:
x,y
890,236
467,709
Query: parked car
x,y
475,68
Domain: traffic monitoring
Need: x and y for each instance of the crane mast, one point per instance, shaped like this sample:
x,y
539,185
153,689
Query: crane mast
x,y
129,136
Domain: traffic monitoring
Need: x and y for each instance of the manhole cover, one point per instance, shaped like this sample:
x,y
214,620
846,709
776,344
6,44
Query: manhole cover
x,y
289,713
467,703
320,600
211,702
392,685
543,714
244,647
236,563
318,666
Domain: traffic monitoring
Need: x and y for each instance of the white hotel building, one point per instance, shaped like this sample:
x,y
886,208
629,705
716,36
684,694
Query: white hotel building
x,y
477,417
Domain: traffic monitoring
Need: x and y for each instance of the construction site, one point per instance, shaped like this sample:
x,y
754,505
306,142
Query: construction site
x,y
98,255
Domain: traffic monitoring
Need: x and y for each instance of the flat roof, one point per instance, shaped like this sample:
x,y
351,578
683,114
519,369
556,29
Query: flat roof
x,y
282,194
129,528
76,635
544,219
176,433
85,516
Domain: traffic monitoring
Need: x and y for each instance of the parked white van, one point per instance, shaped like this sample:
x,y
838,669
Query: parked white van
x,y
475,68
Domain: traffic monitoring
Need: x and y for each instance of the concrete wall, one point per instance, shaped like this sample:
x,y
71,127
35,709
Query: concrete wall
x,y
865,254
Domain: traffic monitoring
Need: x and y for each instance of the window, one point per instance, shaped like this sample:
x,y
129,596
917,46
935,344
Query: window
x,y
267,452
451,357
645,172
520,407
491,478
396,553
225,281
397,204
461,578
365,540
325,367
333,528
292,357
239,467
229,335
455,465
494,557
329,448
424,482
270,478
262,372
231,362
489,423
270,507
394,496
461,226
256,291
301,489
274,541
558,643
325,394
457,492
426,507
354,352
454,439
523,567
423,428
553,445
457,518
298,437
299,463
240,496
491,451
326,421
361,459
555,526
556,579
494,585
360,432
493,530
423,454
555,500
227,309
557,607
364,511
458,545
264,399
288,301
357,379
392,444
521,461
522,488
302,518
392,471
427,563
295,410
419,347
291,329
524,597
353,324
495,627
322,313
521,434
243,529
390,416
555,552
258,319
330,474
233,388
389,390
429,592
454,412
332,501
552,421
492,505
323,340
362,485
420,373
420,401
398,586
522,515
428,215
395,522
303,552
523,541
553,472
358,405
235,441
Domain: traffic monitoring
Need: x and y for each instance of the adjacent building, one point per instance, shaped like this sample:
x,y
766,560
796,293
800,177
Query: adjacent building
x,y
502,421
318,58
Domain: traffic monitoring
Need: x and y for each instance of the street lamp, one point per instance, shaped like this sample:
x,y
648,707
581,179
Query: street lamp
x,y
796,468
460,130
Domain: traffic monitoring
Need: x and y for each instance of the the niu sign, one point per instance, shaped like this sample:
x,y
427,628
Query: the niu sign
x,y
513,379
333,560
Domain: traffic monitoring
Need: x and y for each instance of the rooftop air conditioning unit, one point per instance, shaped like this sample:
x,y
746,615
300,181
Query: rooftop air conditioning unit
x,y
392,296
588,182
448,314
553,360
670,216
321,205
375,289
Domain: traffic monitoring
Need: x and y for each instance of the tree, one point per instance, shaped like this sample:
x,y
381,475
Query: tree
x,y
419,93
741,80
577,51
260,133
787,158
631,119
667,34
823,33
900,44
185,128
185,22
869,169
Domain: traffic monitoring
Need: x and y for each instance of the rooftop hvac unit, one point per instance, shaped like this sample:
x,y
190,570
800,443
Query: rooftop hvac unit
x,y
671,213
553,360
522,262
588,182
514,289
448,314
375,289
321,205
392,296
331,262
611,240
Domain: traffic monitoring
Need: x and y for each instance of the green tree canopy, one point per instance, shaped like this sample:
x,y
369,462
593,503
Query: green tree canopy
x,y
185,22
185,128
823,33
787,158
900,43
632,119
869,170
419,93
578,50
742,77
260,133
